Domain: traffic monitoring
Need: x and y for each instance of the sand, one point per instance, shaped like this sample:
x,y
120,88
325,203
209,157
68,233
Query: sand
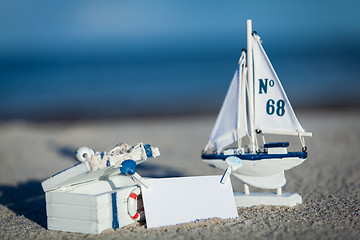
x,y
329,181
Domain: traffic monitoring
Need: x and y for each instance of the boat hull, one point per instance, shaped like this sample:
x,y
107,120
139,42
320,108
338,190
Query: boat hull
x,y
259,170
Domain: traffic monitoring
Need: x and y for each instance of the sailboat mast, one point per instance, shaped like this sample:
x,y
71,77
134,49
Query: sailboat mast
x,y
250,85
238,104
241,96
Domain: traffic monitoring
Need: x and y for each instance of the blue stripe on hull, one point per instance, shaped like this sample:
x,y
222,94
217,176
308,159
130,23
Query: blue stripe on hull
x,y
255,157
115,221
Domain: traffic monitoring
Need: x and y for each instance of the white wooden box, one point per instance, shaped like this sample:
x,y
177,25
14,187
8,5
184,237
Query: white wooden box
x,y
78,200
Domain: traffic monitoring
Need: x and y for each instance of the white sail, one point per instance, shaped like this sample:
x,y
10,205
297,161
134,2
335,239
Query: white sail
x,y
273,111
231,124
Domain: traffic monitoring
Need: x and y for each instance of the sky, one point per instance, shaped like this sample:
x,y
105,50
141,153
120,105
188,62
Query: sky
x,y
153,25
66,58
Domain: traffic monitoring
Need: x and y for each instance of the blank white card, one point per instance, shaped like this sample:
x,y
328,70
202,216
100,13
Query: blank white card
x,y
170,201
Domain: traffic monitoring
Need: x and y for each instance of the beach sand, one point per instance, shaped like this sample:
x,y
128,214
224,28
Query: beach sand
x,y
329,181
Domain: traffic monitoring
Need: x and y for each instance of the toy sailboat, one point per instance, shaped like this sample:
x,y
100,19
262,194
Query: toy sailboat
x,y
256,104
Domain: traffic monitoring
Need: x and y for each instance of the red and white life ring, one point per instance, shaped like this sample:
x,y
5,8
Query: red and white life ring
x,y
132,205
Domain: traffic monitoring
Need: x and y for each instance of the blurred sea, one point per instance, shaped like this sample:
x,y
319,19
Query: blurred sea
x,y
97,60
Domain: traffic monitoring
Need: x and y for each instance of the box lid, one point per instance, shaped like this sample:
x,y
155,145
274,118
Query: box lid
x,y
79,173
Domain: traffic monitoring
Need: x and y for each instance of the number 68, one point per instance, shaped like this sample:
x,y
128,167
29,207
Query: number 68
x,y
280,107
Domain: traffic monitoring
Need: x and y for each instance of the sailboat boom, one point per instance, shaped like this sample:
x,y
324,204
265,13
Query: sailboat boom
x,y
290,133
